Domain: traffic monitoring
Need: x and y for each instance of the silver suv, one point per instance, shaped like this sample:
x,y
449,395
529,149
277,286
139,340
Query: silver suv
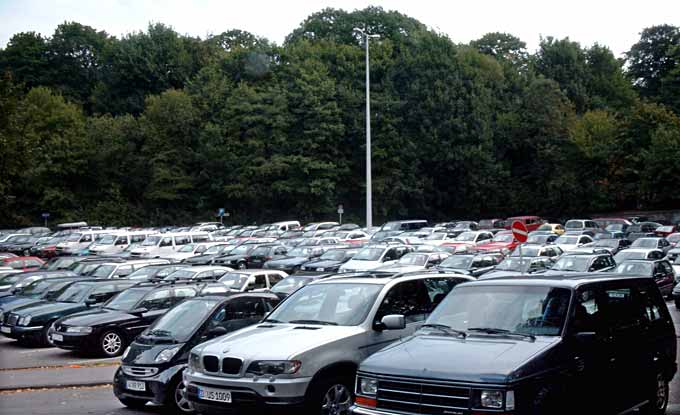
x,y
304,355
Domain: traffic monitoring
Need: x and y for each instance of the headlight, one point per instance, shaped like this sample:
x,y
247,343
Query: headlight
x,y
303,268
125,353
491,399
24,321
274,367
167,354
194,361
80,330
368,386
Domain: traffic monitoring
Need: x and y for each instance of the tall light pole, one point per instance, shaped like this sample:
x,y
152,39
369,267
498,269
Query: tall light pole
x,y
369,186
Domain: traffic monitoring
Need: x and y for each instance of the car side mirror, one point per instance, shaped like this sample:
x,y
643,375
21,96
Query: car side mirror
x,y
90,301
391,322
217,332
139,311
585,338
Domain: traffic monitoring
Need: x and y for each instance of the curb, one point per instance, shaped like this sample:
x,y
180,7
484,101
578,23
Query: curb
x,y
34,388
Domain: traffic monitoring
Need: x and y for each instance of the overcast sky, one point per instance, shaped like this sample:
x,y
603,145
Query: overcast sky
x,y
614,23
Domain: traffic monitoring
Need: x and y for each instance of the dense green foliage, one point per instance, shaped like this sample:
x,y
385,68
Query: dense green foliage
x,y
156,127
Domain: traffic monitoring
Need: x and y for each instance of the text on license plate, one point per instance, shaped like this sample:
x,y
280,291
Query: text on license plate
x,y
135,386
58,337
5,329
214,395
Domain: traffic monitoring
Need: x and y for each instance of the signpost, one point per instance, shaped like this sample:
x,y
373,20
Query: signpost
x,y
521,233
45,216
340,212
220,213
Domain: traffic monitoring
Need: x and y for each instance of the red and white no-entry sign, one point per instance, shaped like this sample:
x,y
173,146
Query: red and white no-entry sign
x,y
519,231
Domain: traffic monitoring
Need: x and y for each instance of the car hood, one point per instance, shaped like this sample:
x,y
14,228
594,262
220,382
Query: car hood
x,y
18,302
359,265
483,359
323,264
97,317
498,274
50,309
145,354
567,247
254,342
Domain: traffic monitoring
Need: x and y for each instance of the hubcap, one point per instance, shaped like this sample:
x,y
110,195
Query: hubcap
x,y
180,398
112,343
661,392
336,401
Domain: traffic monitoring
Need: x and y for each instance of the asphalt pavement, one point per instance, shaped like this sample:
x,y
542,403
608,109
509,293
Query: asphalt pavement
x,y
63,368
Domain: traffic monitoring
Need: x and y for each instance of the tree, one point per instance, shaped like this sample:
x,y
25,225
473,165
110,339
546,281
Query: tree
x,y
502,46
652,59
26,59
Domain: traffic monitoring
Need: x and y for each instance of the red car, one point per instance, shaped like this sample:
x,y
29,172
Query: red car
x,y
664,231
502,241
23,263
532,222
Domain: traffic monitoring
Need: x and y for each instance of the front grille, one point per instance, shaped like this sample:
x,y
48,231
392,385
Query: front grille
x,y
231,366
422,397
211,364
12,319
139,371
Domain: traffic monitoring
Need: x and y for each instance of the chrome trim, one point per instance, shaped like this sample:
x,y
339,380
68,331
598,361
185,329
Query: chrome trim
x,y
139,371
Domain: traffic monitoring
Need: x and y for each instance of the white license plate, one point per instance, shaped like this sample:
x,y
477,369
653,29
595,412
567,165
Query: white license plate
x,y
135,386
216,395
57,337
7,330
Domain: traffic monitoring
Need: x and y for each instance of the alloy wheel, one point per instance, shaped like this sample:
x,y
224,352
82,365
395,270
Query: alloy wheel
x,y
336,401
112,343
181,402
661,393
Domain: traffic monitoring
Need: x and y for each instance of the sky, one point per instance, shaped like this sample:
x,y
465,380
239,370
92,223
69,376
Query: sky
x,y
613,23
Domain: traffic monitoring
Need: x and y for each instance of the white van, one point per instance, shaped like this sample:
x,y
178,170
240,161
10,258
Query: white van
x,y
116,241
284,226
163,244
78,241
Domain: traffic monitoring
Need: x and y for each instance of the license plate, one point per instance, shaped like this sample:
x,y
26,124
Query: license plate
x,y
57,337
216,395
7,330
135,386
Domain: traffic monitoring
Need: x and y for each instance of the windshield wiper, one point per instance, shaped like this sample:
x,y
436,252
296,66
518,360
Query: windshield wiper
x,y
492,330
445,329
323,323
271,320
161,333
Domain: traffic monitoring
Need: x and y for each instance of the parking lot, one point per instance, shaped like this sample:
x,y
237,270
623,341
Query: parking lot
x,y
39,381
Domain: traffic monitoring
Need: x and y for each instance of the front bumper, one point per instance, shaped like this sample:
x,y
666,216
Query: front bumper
x,y
22,332
248,394
76,341
156,386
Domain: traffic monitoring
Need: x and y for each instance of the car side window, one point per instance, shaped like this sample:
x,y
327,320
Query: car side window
x,y
587,315
182,293
103,292
201,249
274,278
259,283
123,271
391,255
32,263
439,288
652,303
182,240
270,303
166,242
408,298
623,311
280,251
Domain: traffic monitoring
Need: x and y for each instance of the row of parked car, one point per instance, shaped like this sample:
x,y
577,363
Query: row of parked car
x,y
396,320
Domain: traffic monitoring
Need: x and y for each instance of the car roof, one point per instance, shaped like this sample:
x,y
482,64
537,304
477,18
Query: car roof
x,y
563,281
384,278
203,268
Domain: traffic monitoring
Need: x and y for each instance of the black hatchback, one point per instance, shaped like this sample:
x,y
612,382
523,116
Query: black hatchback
x,y
152,367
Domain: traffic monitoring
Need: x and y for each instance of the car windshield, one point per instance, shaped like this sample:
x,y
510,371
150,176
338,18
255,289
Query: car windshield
x,y
572,263
144,273
299,252
188,248
514,264
369,254
107,239
615,227
624,255
75,293
151,240
214,250
437,236
103,271
242,249
457,262
567,240
466,237
545,228
126,300
10,279
503,237
413,259
234,280
261,251
644,243
185,274
290,284
527,250
574,224
333,255
635,268
342,304
607,243
74,237
530,310
538,239
462,225
391,226
36,288
180,322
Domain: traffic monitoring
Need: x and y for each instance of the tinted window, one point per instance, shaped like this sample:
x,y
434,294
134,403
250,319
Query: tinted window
x,y
158,300
410,299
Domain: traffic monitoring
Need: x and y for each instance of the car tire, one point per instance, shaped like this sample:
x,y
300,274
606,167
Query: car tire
x,y
133,403
658,400
241,265
45,337
111,344
333,395
175,399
